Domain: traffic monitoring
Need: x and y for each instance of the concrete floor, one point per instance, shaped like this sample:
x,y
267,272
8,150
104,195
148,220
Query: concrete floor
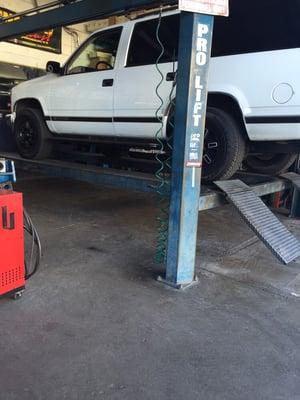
x,y
94,324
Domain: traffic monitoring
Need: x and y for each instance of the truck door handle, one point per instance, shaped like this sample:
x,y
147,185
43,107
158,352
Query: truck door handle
x,y
107,82
171,76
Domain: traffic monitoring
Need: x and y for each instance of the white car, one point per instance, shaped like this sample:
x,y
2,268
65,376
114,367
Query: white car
x,y
107,90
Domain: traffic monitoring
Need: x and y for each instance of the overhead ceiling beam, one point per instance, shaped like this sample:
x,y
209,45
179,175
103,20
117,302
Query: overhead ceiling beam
x,y
73,13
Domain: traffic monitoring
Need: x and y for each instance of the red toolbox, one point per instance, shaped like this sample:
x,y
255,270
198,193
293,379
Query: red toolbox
x,y
12,264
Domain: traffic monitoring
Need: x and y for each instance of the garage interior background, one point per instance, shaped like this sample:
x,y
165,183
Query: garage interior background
x,y
26,56
80,330
72,37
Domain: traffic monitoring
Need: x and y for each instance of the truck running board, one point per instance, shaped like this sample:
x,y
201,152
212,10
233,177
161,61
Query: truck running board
x,y
261,220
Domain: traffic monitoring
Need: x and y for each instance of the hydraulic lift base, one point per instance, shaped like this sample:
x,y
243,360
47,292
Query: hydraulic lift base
x,y
178,286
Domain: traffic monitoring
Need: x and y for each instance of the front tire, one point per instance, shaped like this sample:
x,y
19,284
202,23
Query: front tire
x,y
32,135
269,163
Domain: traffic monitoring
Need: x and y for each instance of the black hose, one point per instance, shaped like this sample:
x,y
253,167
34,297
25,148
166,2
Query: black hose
x,y
32,266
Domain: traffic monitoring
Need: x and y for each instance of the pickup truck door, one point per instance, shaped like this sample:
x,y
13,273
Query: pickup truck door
x,y
136,102
82,98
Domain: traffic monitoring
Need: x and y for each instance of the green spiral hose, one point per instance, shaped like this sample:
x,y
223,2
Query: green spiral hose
x,y
165,165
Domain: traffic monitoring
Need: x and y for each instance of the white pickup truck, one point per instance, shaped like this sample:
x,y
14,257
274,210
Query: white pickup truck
x,y
107,89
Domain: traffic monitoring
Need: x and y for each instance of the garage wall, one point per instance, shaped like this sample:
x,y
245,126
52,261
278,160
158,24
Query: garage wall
x,y
13,53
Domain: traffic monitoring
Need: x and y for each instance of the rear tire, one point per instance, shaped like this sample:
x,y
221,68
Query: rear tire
x,y
32,135
224,146
269,164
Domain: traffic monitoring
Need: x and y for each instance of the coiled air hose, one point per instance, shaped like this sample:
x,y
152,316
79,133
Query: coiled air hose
x,y
163,172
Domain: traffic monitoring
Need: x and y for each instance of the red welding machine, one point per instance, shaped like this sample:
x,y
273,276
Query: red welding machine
x,y
12,263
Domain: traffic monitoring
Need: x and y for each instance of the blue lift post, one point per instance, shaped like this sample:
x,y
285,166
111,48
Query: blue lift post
x,y
191,102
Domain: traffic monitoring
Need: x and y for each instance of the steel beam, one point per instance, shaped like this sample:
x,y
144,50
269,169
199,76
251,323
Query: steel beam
x,y
73,13
87,173
191,99
211,199
138,181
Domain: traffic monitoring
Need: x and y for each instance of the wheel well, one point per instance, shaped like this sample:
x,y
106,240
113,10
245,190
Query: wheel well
x,y
230,105
28,103
226,103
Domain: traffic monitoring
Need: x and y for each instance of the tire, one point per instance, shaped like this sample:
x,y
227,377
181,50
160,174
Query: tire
x,y
269,163
32,135
224,146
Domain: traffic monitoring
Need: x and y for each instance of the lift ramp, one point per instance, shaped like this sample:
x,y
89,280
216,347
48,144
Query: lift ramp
x,y
261,220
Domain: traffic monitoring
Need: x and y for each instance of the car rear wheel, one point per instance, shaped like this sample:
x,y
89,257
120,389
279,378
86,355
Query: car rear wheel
x,y
269,163
31,134
224,146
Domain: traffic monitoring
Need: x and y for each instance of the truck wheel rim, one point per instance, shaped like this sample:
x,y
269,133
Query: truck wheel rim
x,y
26,135
211,147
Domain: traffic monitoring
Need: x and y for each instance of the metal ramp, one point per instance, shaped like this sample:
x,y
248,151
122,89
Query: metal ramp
x,y
261,220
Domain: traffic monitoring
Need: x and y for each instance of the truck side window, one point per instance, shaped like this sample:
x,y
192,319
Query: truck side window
x,y
144,47
97,54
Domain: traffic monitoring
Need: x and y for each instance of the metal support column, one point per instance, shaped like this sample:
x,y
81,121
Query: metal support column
x,y
295,206
191,99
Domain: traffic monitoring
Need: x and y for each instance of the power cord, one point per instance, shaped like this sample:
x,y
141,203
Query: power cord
x,y
32,266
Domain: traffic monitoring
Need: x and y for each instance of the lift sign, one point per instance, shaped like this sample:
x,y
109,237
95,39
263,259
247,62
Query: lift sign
x,y
202,59
212,7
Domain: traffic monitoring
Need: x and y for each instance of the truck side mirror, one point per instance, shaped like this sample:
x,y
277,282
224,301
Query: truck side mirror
x,y
53,67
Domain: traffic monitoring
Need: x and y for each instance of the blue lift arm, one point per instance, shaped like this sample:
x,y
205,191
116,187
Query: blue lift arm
x,y
73,13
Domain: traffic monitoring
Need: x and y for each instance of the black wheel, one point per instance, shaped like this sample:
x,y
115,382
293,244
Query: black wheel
x,y
31,134
17,295
269,163
224,146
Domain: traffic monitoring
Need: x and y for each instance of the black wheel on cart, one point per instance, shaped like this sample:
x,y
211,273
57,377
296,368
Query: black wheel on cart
x,y
269,163
17,295
31,134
